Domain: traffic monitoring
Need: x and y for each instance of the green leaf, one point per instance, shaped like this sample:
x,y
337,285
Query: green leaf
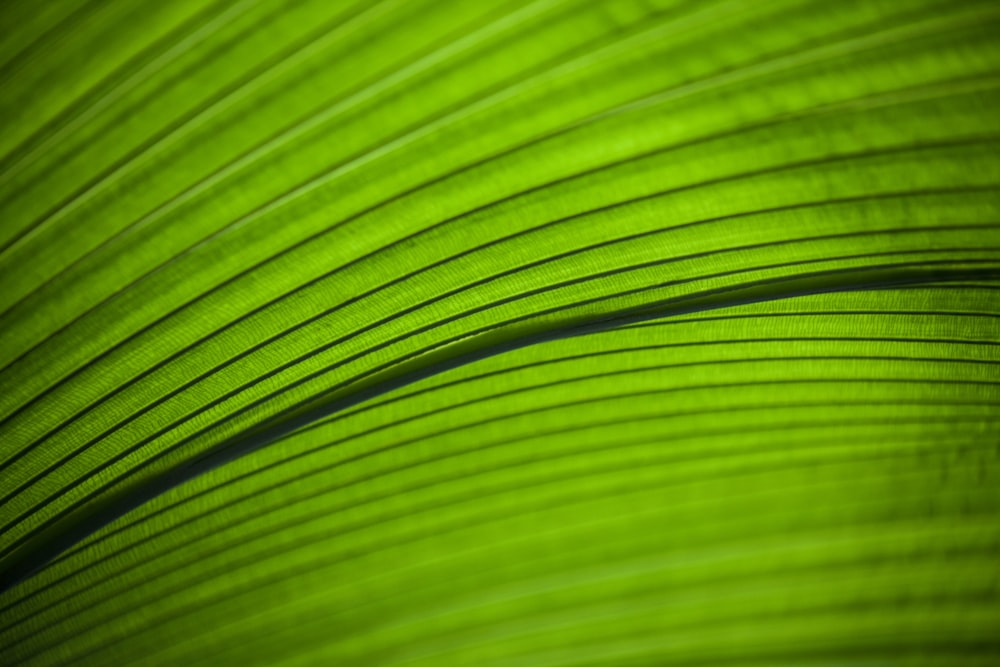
x,y
500,333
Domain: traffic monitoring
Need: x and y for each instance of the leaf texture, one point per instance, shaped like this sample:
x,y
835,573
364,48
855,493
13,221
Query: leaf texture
x,y
506,332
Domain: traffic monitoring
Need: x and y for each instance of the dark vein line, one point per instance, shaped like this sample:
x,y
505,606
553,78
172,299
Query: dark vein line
x,y
371,405
464,404
289,419
338,341
441,262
